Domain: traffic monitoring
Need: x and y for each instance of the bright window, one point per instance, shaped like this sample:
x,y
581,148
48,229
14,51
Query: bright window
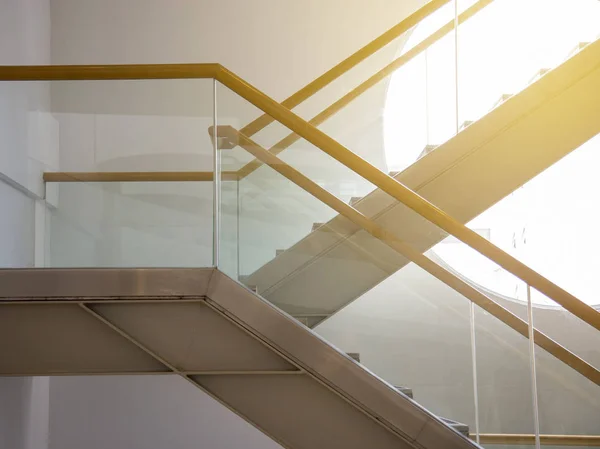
x,y
549,223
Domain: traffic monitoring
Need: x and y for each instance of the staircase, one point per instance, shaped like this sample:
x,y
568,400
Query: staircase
x,y
222,338
464,176
251,347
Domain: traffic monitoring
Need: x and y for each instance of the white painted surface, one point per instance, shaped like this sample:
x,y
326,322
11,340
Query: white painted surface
x,y
143,412
27,142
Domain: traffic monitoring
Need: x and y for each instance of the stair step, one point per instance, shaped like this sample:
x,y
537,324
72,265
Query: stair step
x,y
464,124
428,149
310,320
243,279
580,46
406,391
227,137
316,226
354,355
538,75
279,251
459,427
355,199
393,174
501,100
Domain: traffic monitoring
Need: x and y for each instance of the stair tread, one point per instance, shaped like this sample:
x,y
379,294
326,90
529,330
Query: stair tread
x,y
458,426
316,226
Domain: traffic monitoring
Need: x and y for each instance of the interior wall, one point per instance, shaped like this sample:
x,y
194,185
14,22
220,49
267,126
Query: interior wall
x,y
27,135
143,412
26,144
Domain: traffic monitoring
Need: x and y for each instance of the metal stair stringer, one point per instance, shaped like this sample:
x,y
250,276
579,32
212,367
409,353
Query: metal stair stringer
x,y
211,330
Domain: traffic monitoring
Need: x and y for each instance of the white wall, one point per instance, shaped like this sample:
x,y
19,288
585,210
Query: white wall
x,y
143,412
24,411
26,144
27,133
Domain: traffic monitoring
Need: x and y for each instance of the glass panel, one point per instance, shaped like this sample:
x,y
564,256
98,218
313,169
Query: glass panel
x,y
234,111
544,223
420,102
229,226
357,121
131,224
134,125
414,332
18,222
569,403
281,228
155,129
356,108
275,214
418,332
504,380
327,172
562,326
509,291
271,213
28,147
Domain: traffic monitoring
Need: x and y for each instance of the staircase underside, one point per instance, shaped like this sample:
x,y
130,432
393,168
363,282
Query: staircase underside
x,y
485,162
218,335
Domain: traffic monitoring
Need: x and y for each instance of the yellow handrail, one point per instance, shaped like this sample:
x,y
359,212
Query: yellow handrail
x,y
330,146
337,106
529,439
353,60
108,72
415,256
409,198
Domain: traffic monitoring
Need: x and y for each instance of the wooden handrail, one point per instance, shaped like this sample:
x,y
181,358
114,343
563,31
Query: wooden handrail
x,y
377,231
330,146
529,439
353,60
107,72
174,176
337,106
409,198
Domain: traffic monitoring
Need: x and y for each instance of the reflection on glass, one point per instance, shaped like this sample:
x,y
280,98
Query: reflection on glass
x,y
131,224
413,331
